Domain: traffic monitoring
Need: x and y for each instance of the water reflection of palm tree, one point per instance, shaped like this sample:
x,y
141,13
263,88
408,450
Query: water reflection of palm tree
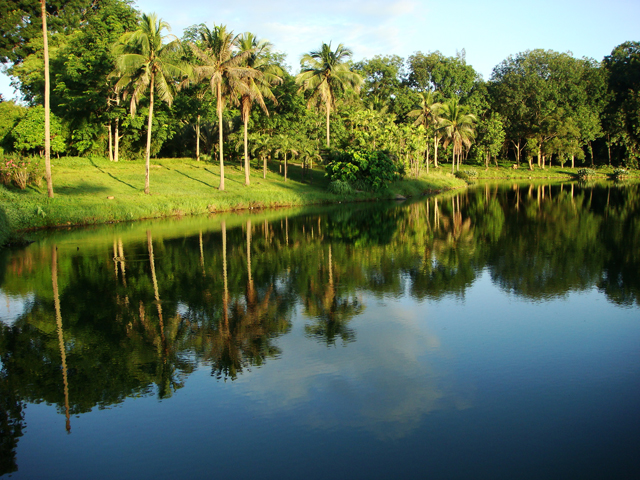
x,y
247,325
330,312
167,344
63,353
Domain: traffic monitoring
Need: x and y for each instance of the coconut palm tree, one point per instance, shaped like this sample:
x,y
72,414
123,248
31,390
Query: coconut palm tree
x,y
262,149
285,145
258,87
428,115
145,62
326,73
47,101
457,127
221,64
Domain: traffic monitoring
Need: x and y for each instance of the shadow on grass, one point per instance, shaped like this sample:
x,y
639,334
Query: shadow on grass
x,y
81,188
194,179
112,176
226,177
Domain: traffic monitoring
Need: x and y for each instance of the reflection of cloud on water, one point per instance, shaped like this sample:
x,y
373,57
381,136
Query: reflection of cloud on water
x,y
385,382
13,306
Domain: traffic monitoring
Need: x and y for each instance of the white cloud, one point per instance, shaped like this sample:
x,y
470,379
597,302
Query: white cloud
x,y
385,382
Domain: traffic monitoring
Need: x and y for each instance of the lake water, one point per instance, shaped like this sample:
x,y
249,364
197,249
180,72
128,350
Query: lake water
x,y
491,333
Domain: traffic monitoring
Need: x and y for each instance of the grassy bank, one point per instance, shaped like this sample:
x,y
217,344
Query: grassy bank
x,y
505,170
83,187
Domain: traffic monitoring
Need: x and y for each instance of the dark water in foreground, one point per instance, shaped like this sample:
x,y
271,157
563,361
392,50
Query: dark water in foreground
x,y
493,333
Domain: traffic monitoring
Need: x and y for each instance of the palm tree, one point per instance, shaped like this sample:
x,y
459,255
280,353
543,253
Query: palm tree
x,y
258,87
284,146
221,65
457,126
428,114
144,61
262,148
47,101
326,73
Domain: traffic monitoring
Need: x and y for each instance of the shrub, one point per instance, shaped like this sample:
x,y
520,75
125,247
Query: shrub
x,y
340,187
370,170
620,172
586,172
28,134
20,171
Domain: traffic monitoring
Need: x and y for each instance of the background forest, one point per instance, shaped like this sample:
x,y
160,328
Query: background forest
x,y
538,106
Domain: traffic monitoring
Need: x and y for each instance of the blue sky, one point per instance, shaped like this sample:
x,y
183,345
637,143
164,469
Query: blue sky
x,y
489,30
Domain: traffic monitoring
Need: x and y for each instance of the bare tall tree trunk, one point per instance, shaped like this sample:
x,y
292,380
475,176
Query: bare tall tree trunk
x,y
221,187
47,106
285,166
109,129
246,152
116,151
328,112
453,160
149,126
198,139
435,151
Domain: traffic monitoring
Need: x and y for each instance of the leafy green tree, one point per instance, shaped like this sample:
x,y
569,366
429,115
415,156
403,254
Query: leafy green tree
x,y
537,91
325,73
21,24
10,115
146,62
623,111
221,65
491,136
450,76
383,76
28,135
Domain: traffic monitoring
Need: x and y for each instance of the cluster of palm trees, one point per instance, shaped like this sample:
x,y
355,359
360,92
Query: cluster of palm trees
x,y
448,121
238,70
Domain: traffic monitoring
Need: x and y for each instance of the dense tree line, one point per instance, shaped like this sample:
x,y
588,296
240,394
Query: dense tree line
x,y
538,107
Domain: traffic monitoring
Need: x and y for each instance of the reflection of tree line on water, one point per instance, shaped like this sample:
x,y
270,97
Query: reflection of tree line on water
x,y
144,314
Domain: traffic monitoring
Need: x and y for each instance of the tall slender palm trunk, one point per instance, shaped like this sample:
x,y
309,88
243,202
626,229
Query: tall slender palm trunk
x,y
328,113
110,132
246,152
221,187
116,139
47,106
435,151
198,139
149,126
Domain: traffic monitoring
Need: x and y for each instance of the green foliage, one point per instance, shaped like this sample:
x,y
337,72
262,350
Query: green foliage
x,y
623,112
10,115
620,172
374,169
585,173
340,187
450,76
28,134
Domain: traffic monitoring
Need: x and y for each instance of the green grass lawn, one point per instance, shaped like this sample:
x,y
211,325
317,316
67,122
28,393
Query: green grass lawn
x,y
178,187
505,170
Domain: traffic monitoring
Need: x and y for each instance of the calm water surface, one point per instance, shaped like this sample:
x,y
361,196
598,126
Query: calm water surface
x,y
493,333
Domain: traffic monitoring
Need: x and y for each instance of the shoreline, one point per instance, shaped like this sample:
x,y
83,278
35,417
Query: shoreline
x,y
94,191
